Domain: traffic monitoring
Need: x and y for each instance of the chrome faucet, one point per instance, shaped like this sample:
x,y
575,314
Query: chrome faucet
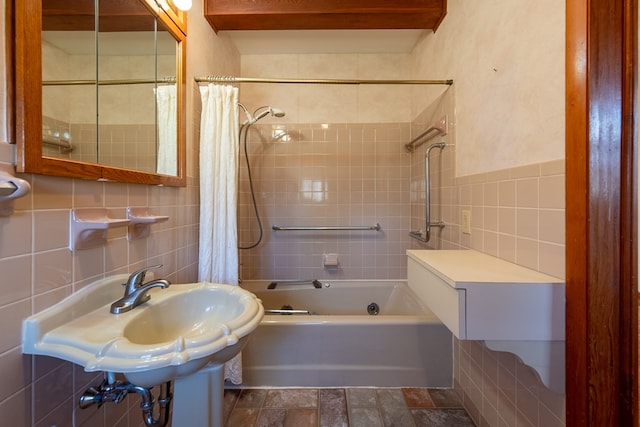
x,y
136,290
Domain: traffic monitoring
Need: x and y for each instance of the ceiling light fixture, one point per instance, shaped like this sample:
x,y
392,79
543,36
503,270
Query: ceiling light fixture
x,y
182,4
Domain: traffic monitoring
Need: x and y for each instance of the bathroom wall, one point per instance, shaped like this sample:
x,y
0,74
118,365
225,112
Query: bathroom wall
x,y
343,162
38,268
332,174
507,61
504,163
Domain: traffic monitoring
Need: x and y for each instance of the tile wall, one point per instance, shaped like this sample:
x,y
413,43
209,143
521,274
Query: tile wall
x,y
361,173
326,174
499,390
131,146
38,269
517,214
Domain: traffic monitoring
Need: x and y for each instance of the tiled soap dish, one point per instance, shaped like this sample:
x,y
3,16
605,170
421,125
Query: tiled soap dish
x,y
89,227
141,220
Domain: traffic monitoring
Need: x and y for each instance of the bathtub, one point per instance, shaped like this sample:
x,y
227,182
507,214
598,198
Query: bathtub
x,y
340,344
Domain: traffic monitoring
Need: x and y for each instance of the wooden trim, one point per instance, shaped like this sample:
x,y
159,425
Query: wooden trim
x,y
27,15
9,36
601,213
323,14
576,213
629,219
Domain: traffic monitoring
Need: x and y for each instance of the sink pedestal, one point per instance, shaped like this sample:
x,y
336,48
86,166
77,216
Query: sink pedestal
x,y
198,399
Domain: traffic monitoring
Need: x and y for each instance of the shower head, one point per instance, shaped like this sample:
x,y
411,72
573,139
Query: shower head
x,y
276,112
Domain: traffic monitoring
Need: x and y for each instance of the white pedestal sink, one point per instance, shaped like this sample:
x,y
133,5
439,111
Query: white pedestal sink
x,y
176,333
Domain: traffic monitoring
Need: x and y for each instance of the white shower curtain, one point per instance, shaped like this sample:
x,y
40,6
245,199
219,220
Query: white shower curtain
x,y
166,102
219,143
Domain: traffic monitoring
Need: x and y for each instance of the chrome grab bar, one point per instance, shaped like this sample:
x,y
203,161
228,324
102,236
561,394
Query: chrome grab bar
x,y
439,128
316,283
329,228
286,311
427,199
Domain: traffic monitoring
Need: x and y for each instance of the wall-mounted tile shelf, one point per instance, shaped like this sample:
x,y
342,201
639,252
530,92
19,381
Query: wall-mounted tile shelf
x,y
141,220
88,227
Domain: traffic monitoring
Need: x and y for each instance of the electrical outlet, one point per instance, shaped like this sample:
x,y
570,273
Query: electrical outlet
x,y
466,222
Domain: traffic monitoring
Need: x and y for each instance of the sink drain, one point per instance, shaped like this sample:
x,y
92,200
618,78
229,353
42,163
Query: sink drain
x,y
373,309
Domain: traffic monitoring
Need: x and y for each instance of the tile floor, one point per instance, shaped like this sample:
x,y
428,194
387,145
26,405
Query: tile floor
x,y
344,407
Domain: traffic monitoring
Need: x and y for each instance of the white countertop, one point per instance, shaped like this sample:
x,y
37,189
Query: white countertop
x,y
460,267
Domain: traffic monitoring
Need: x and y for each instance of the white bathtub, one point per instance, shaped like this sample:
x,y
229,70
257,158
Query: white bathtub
x,y
342,345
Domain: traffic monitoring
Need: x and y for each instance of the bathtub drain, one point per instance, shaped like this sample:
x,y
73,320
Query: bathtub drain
x,y
373,309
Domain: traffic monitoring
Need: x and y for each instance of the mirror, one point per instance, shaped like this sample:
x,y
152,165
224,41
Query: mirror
x,y
105,100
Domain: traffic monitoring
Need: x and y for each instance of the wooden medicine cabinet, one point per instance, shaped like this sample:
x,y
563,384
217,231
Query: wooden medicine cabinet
x,y
89,76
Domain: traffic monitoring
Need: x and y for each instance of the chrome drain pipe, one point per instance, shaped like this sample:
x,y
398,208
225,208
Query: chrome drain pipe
x,y
115,391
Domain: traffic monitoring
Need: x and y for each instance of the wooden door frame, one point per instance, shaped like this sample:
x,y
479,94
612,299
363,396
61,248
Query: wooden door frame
x,y
601,213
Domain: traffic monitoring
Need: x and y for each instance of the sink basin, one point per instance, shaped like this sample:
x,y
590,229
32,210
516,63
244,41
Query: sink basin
x,y
177,332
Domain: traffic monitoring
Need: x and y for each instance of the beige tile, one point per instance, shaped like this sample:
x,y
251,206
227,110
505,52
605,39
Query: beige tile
x,y
490,215
16,410
61,415
88,263
52,269
477,194
552,193
16,279
52,192
527,253
16,234
11,316
497,175
116,194
527,223
491,194
552,226
490,243
527,193
554,167
50,298
507,220
528,171
51,228
88,194
51,390
552,259
116,254
15,369
506,193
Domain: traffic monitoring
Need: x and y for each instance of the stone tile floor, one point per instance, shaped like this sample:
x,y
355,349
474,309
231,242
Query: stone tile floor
x,y
344,407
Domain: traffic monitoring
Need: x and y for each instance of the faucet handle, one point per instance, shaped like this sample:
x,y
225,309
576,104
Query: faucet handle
x,y
136,279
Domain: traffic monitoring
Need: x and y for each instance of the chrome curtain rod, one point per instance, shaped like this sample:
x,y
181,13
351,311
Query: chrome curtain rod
x,y
161,80
232,79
